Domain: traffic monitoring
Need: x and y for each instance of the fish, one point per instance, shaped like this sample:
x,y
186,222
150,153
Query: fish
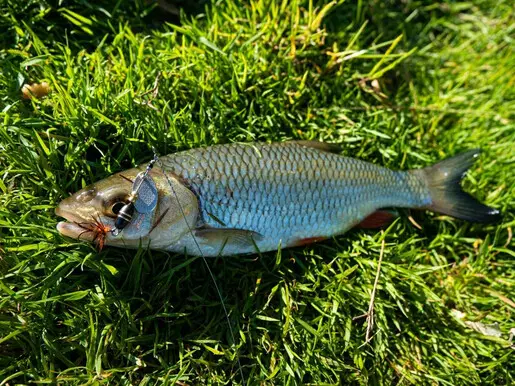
x,y
245,198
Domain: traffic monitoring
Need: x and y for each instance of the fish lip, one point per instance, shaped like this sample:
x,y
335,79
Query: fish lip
x,y
74,231
70,228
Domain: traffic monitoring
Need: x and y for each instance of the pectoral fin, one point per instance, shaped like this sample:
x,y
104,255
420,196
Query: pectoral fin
x,y
229,239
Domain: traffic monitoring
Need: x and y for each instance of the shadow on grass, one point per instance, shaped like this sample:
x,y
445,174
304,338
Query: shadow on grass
x,y
83,24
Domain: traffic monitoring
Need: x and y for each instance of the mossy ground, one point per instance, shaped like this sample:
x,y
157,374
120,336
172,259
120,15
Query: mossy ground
x,y
403,84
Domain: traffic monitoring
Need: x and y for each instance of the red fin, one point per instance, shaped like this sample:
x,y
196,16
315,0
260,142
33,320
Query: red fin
x,y
309,240
378,219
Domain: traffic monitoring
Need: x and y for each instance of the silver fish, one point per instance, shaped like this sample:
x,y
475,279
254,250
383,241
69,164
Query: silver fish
x,y
244,198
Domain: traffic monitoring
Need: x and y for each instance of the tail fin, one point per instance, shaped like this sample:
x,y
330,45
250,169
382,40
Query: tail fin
x,y
447,196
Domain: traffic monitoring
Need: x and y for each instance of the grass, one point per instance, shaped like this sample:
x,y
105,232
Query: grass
x,y
403,84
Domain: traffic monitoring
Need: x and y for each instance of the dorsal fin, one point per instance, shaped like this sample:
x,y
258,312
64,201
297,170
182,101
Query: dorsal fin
x,y
323,146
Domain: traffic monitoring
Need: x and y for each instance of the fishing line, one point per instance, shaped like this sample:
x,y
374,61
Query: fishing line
x,y
160,163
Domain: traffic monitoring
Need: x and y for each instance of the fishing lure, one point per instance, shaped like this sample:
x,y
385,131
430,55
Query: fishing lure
x,y
98,230
143,199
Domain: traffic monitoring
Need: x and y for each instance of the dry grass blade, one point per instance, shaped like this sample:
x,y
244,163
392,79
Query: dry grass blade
x,y
370,312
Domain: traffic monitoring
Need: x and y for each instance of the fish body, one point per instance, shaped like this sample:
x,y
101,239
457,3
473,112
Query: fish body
x,y
288,193
244,198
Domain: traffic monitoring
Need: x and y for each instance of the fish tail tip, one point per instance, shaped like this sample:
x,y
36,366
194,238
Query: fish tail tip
x,y
449,198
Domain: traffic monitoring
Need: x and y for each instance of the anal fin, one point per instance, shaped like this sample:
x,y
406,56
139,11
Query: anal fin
x,y
378,219
309,240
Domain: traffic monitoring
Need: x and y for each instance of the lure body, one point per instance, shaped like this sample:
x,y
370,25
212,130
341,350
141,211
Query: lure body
x,y
245,198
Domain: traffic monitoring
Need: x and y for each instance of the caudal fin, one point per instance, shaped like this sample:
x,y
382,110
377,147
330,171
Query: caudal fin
x,y
447,196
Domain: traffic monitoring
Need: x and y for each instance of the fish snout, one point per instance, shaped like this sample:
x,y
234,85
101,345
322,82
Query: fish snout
x,y
78,212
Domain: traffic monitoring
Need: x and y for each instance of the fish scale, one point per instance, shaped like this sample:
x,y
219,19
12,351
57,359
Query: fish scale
x,y
288,192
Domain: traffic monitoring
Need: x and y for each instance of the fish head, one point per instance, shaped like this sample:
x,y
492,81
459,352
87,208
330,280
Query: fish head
x,y
92,211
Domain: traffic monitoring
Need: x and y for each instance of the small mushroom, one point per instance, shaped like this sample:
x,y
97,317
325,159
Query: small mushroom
x,y
35,90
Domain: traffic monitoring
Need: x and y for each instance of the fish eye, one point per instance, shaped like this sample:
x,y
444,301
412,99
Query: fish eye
x,y
113,201
117,206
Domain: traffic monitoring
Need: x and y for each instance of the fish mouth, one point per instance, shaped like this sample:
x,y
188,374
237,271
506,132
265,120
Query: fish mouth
x,y
70,227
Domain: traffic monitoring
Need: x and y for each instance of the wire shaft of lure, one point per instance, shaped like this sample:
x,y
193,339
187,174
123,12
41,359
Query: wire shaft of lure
x,y
156,159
